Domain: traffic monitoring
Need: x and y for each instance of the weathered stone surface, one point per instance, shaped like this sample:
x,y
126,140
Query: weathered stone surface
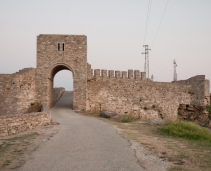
x,y
142,98
56,53
14,124
197,114
17,91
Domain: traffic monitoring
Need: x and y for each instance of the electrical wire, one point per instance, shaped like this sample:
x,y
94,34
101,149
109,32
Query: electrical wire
x,y
161,69
160,23
147,20
159,61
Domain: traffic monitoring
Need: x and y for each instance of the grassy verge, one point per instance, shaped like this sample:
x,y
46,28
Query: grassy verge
x,y
13,148
186,145
127,119
188,131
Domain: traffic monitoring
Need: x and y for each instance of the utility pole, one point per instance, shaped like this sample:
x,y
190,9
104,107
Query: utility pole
x,y
146,65
175,71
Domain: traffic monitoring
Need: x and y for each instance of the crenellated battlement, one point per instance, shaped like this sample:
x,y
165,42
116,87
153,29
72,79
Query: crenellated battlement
x,y
111,74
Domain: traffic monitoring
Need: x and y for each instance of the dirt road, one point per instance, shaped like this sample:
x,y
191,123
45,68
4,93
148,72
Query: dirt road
x,y
82,144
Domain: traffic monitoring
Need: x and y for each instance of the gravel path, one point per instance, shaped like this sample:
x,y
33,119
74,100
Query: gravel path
x,y
82,144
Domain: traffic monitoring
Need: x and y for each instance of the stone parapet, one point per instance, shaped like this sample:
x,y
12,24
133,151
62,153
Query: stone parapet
x,y
111,74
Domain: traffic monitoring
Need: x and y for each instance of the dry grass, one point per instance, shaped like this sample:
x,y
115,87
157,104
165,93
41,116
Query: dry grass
x,y
184,154
13,148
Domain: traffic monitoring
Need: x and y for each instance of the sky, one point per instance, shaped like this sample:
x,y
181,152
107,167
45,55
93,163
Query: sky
x,y
116,31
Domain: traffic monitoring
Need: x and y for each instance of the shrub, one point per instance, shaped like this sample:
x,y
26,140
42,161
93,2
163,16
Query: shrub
x,y
208,109
145,108
153,106
191,93
179,113
127,119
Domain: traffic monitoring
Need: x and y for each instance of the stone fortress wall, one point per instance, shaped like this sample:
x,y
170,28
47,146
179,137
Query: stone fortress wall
x,y
124,92
19,109
17,91
130,93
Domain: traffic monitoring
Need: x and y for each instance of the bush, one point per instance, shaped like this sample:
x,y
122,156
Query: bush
x,y
187,130
191,93
179,113
145,108
209,109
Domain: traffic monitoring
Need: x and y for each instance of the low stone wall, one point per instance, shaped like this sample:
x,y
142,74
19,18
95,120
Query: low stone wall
x,y
57,93
14,124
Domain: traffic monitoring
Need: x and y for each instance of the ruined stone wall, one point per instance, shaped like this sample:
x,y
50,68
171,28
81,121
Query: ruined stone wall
x,y
15,124
130,93
8,99
17,91
199,90
200,98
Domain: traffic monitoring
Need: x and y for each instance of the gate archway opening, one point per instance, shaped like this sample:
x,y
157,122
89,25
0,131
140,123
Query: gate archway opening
x,y
59,76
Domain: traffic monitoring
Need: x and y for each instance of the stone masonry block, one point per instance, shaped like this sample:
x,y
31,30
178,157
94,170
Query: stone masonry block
x,y
130,74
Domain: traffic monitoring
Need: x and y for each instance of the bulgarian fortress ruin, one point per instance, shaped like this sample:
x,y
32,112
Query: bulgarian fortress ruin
x,y
123,92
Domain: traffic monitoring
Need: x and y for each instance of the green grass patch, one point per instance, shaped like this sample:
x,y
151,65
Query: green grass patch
x,y
127,119
209,110
187,130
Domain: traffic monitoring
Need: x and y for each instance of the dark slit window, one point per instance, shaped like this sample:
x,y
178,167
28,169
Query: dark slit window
x,y
60,46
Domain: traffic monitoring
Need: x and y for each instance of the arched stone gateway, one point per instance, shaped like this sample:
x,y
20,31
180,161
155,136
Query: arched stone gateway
x,y
56,53
53,70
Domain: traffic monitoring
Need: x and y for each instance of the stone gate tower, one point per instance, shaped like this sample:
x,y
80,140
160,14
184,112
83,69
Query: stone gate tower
x,y
56,53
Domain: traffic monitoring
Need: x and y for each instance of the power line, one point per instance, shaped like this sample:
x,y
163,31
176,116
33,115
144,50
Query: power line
x,y
147,20
156,65
159,61
160,22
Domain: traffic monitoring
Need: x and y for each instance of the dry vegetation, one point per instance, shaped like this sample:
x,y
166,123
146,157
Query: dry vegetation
x,y
12,149
16,149
184,152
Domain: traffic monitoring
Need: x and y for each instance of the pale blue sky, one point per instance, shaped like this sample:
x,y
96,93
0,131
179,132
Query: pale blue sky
x,y
115,30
